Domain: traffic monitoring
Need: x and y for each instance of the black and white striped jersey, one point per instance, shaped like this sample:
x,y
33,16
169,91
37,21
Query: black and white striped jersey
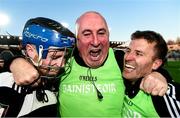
x,y
15,101
169,104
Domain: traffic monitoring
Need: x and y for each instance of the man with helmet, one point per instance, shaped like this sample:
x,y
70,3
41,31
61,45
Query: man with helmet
x,y
46,44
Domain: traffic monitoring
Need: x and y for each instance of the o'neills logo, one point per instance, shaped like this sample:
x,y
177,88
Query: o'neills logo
x,y
35,36
87,78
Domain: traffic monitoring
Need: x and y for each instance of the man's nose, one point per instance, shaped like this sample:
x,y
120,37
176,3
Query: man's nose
x,y
58,62
95,41
129,56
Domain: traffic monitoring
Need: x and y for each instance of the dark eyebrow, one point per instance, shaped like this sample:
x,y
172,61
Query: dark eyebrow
x,y
127,48
139,51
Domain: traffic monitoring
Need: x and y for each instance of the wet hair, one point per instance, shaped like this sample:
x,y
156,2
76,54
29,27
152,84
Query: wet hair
x,y
160,47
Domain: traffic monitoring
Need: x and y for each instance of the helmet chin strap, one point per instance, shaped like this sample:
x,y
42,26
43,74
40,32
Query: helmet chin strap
x,y
40,53
39,62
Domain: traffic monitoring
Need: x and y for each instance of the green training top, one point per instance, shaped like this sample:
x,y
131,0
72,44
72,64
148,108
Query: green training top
x,y
139,107
78,95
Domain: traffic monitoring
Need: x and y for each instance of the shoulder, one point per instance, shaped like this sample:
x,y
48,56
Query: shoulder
x,y
173,91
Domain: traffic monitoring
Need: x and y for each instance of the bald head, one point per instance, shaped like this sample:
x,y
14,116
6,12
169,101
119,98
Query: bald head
x,y
89,15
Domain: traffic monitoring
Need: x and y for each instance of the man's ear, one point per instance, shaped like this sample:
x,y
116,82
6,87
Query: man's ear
x,y
31,52
156,64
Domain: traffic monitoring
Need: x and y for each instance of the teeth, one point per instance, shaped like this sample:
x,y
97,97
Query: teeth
x,y
129,66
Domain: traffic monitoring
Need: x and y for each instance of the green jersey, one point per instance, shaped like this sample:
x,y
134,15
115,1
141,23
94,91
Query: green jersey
x,y
78,91
139,106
